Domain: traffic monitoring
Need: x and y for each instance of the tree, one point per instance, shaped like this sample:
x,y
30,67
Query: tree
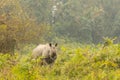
x,y
18,27
96,18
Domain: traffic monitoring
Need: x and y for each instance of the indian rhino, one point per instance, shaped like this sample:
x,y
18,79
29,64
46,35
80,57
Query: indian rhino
x,y
47,52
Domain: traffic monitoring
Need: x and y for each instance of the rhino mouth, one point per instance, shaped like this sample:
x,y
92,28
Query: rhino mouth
x,y
51,58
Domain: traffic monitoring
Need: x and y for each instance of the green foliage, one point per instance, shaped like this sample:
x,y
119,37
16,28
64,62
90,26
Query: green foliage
x,y
19,26
88,20
74,62
108,41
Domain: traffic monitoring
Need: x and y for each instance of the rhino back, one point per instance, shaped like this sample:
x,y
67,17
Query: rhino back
x,y
41,50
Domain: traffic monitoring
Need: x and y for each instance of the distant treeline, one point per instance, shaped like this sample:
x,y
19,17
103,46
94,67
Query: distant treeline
x,y
85,21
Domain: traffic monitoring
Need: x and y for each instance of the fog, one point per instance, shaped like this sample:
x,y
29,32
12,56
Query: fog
x,y
40,21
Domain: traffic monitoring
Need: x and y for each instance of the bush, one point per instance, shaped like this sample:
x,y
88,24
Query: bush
x,y
84,62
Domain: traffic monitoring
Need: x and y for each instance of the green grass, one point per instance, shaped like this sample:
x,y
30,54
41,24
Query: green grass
x,y
74,62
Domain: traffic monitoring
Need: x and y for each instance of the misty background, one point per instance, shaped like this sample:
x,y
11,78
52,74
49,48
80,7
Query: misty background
x,y
62,21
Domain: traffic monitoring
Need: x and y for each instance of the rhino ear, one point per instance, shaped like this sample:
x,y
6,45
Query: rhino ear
x,y
50,44
56,44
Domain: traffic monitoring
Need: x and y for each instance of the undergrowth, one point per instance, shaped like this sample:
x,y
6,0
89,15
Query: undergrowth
x,y
84,62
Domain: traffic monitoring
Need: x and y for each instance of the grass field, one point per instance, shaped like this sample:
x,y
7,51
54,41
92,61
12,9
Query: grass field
x,y
74,62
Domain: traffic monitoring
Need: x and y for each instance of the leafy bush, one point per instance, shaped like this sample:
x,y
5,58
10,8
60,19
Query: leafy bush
x,y
74,62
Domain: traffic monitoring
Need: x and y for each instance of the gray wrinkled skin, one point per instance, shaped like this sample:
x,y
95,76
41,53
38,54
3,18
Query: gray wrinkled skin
x,y
47,52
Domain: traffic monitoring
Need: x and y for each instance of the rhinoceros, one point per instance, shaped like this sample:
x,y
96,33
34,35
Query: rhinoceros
x,y
47,52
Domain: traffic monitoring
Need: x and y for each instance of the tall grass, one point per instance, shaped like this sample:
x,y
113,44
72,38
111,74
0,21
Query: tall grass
x,y
74,62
